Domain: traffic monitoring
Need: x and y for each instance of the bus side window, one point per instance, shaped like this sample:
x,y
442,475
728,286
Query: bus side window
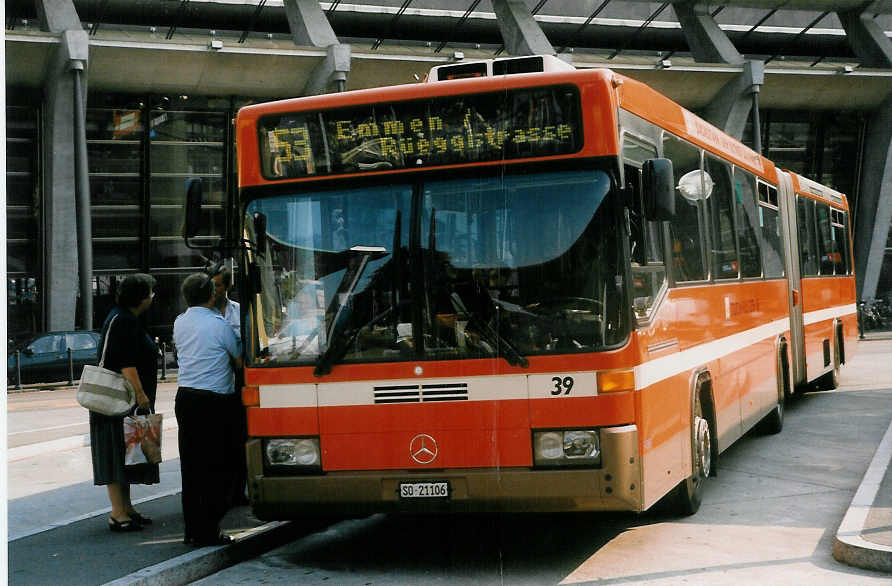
x,y
805,215
770,229
825,239
838,241
841,237
746,215
686,229
721,212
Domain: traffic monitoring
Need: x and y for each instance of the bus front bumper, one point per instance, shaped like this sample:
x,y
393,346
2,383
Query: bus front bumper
x,y
615,486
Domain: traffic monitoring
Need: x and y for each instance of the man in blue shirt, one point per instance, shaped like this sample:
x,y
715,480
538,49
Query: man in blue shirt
x,y
231,312
207,351
226,306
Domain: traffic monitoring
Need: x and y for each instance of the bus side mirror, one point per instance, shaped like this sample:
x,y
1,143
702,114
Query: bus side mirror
x,y
659,190
260,231
194,197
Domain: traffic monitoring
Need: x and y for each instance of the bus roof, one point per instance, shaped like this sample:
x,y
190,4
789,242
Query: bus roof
x,y
647,103
602,86
808,188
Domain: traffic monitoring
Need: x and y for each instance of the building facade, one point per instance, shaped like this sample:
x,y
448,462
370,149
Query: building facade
x,y
160,83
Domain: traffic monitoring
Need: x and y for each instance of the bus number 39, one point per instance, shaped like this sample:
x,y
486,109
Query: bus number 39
x,y
562,385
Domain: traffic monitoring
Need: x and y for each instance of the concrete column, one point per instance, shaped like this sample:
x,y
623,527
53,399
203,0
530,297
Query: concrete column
x,y
867,39
874,213
521,33
310,27
731,107
60,147
708,43
57,16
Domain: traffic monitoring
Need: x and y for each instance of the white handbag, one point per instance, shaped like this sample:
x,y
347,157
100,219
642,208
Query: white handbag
x,y
105,391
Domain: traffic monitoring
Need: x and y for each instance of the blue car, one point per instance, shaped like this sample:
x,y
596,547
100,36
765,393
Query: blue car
x,y
44,358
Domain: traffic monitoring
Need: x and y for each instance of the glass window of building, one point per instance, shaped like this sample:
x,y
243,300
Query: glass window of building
x,y
114,146
23,239
185,145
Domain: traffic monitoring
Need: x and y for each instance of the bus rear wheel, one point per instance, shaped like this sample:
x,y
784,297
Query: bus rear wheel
x,y
830,380
689,493
773,423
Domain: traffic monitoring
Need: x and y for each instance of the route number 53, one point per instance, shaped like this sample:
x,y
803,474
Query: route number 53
x,y
562,386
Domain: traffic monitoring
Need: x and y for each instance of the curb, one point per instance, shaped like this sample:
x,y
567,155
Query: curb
x,y
849,547
210,560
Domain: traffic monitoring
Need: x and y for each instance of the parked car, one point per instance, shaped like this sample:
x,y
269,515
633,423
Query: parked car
x,y
44,357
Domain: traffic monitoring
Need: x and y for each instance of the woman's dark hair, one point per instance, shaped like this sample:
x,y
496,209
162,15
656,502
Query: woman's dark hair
x,y
197,289
134,288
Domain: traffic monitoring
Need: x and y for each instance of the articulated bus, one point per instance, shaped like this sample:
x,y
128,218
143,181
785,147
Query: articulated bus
x,y
519,286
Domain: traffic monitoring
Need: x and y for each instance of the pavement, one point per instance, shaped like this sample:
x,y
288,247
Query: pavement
x,y
864,537
70,538
57,519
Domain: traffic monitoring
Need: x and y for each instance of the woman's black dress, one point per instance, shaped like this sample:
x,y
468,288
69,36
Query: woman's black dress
x,y
129,344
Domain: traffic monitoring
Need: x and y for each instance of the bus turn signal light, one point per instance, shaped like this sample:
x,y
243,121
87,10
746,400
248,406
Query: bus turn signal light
x,y
251,396
616,381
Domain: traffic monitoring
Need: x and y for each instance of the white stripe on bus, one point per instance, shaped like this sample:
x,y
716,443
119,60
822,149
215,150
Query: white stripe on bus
x,y
813,317
670,365
502,387
657,370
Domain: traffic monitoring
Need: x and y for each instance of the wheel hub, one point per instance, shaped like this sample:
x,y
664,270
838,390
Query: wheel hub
x,y
702,447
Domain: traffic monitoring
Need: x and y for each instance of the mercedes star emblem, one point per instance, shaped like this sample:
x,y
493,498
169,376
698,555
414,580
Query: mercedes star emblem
x,y
423,448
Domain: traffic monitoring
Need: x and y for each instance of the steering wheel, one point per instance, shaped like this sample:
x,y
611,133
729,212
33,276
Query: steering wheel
x,y
573,312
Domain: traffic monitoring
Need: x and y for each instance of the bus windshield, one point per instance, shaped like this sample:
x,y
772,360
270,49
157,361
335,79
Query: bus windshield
x,y
506,266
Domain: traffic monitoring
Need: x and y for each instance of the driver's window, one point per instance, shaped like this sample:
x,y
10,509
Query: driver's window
x,y
645,236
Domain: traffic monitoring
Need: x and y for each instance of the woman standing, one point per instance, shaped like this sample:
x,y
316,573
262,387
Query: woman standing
x,y
130,351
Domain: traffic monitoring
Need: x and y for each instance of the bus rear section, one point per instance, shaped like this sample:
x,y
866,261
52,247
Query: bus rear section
x,y
823,312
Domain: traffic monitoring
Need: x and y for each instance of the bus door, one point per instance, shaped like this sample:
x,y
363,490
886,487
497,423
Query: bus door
x,y
794,279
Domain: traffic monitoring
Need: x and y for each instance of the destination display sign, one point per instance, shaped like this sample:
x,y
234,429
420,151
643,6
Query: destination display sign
x,y
529,122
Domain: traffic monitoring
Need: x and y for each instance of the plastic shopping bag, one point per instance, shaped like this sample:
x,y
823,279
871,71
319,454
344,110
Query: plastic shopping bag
x,y
142,439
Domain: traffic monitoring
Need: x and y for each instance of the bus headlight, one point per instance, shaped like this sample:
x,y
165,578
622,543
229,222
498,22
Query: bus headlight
x,y
302,452
571,447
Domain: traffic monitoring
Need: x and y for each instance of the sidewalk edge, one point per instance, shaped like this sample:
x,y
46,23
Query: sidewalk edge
x,y
848,546
203,562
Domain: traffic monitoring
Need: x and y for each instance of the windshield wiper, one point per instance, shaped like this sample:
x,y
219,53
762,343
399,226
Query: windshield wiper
x,y
511,354
336,344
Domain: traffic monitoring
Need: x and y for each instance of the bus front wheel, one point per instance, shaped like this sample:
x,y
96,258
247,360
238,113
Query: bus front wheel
x,y
689,492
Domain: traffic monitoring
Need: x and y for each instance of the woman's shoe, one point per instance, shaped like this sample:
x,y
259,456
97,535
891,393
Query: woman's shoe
x,y
123,526
141,519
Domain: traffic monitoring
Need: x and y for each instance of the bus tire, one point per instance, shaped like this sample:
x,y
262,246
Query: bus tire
x,y
837,358
689,492
773,423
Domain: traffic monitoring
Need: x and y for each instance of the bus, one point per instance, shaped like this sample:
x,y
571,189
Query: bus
x,y
518,286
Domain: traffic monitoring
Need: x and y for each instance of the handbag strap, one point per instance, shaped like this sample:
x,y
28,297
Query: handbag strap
x,y
105,343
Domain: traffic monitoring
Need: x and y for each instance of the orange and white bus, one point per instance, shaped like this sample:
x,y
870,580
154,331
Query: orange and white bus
x,y
520,287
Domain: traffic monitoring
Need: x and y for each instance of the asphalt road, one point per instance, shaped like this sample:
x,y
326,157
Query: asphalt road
x,y
768,518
